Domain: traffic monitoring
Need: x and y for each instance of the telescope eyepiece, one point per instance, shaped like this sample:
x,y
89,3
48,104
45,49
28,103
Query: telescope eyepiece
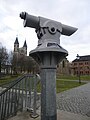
x,y
23,15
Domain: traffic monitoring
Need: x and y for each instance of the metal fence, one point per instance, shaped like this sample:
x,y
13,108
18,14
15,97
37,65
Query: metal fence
x,y
21,94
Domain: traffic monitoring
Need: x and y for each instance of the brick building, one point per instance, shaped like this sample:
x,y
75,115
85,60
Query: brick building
x,y
81,65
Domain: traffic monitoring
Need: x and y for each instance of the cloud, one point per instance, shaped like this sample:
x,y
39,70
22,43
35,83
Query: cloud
x,y
74,13
4,29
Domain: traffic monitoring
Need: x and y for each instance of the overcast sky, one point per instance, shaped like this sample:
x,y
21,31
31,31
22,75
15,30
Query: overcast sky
x,y
75,13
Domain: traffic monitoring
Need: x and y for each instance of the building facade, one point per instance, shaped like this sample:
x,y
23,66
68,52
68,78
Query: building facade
x,y
63,67
81,65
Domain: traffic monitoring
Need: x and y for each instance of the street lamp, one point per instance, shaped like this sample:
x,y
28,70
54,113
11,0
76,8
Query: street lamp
x,y
78,59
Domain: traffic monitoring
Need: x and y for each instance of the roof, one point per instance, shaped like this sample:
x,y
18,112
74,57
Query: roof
x,y
25,44
16,41
82,58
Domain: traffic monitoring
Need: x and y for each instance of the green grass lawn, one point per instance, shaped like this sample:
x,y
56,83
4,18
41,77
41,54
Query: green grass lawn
x,y
68,82
62,82
62,85
69,77
7,79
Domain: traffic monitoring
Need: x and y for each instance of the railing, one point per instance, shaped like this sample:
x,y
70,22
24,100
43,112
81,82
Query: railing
x,y
20,95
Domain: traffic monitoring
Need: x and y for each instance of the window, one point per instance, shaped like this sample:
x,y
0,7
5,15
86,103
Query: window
x,y
75,63
87,72
80,63
86,63
81,72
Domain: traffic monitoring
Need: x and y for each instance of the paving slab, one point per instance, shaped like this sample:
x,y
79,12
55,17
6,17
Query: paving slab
x,y
61,115
76,100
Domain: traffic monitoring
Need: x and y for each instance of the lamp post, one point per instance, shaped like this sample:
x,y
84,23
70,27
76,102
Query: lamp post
x,y
78,60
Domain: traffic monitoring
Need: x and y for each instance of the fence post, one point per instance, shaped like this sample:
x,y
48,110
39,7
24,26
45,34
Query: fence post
x,y
34,114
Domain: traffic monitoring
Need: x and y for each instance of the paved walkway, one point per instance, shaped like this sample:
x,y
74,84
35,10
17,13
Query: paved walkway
x,y
76,100
62,115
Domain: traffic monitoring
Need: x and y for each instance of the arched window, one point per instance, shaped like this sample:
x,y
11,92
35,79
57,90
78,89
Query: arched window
x,y
63,64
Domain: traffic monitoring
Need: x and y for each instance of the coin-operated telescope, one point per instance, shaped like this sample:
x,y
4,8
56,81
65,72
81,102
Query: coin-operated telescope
x,y
48,33
48,53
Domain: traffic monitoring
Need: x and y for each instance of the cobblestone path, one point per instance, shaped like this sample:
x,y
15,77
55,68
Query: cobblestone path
x,y
76,100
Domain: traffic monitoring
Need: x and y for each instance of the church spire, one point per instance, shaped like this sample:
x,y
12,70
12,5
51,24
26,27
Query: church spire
x,y
25,44
16,45
16,41
25,47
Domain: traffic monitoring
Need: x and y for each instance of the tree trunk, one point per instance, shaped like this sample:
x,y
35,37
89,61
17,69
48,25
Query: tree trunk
x,y
0,66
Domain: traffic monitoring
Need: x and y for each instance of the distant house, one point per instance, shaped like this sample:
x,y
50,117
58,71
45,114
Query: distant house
x,y
81,65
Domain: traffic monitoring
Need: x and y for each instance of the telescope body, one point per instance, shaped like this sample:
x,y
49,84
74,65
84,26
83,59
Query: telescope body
x,y
37,22
48,33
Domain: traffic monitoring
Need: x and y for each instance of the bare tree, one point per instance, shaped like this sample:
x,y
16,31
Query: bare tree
x,y
3,58
23,64
14,63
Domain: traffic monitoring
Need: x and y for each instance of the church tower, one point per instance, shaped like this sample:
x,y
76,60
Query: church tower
x,y
25,47
16,46
21,50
